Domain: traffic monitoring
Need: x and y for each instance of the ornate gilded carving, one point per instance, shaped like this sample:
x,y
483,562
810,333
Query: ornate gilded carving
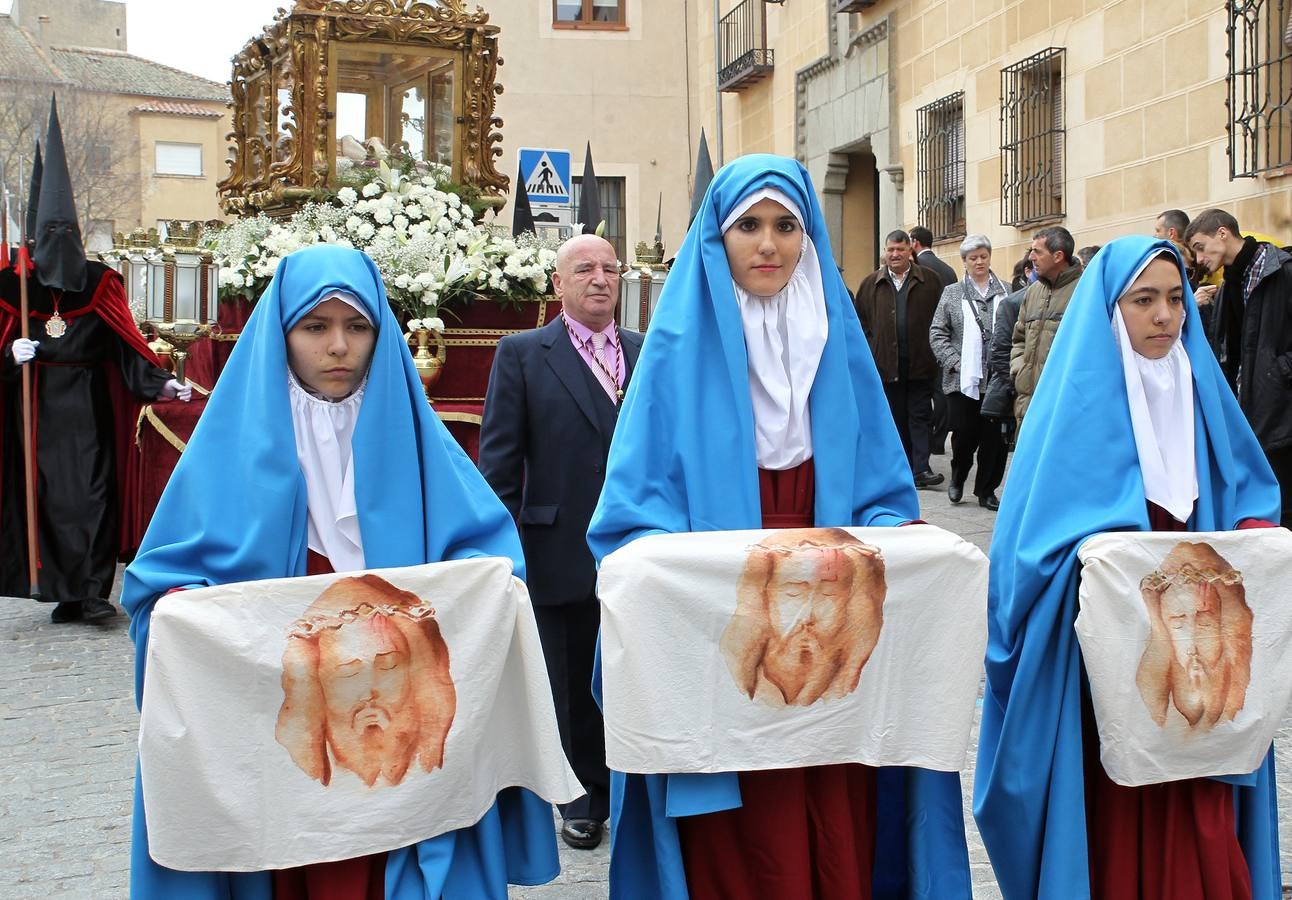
x,y
284,153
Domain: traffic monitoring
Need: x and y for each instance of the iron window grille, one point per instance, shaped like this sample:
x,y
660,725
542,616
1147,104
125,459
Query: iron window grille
x,y
940,149
1260,86
611,192
745,56
1032,140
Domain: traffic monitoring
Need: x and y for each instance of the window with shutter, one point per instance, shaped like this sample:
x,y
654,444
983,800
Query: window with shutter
x,y
178,159
940,143
1032,140
1259,118
608,14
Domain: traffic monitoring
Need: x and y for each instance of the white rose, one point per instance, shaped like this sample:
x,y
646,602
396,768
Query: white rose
x,y
400,222
347,196
382,216
434,323
365,231
413,211
454,200
371,189
444,226
353,224
386,231
402,282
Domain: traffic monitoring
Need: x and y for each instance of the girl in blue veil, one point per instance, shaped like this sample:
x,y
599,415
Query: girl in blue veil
x,y
1132,428
756,404
318,452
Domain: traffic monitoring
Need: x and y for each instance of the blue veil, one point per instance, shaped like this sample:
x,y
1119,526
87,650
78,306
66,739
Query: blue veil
x,y
235,510
1075,474
683,459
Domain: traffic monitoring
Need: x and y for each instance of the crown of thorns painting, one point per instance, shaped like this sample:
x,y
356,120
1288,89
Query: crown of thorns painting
x,y
1199,652
366,684
809,607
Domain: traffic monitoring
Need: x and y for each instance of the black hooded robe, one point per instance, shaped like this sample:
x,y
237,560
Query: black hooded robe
x,y
76,427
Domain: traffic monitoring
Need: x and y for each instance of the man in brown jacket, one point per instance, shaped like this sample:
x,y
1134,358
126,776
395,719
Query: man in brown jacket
x,y
895,304
1042,308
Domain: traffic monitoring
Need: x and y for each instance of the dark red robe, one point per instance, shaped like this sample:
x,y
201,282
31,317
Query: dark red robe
x,y
1170,841
360,878
801,834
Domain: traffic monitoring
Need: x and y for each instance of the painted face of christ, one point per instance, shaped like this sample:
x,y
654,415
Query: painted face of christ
x,y
365,675
366,684
808,616
1198,655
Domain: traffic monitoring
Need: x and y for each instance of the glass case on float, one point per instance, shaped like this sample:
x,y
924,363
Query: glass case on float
x,y
352,79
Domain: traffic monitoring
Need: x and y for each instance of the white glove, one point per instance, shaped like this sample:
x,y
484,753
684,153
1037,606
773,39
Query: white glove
x,y
24,350
176,390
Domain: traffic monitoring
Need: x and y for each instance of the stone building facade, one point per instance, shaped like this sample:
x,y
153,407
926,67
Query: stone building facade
x,y
146,142
1001,116
619,78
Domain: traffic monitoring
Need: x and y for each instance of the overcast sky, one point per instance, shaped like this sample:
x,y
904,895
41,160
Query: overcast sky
x,y
198,36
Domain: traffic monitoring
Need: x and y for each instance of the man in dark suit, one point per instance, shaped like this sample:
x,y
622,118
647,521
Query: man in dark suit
x,y
922,244
549,414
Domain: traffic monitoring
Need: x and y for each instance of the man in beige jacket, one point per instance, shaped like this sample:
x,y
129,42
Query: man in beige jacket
x,y
1042,308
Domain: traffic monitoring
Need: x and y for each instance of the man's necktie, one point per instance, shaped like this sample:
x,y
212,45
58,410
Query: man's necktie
x,y
603,370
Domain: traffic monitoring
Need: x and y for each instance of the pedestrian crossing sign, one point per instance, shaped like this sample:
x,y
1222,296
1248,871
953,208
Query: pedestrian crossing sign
x,y
547,176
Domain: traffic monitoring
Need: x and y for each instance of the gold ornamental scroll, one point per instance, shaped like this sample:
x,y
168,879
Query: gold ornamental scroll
x,y
416,76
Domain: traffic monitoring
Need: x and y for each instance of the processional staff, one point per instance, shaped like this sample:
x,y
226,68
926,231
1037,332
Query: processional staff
x,y
4,222
28,451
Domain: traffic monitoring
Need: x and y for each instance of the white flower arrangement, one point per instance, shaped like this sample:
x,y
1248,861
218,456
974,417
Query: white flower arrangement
x,y
434,323
411,220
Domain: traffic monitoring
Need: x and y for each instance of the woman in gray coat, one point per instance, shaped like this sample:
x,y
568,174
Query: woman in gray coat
x,y
961,336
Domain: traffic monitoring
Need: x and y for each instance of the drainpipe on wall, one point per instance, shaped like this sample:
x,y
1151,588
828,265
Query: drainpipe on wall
x,y
717,70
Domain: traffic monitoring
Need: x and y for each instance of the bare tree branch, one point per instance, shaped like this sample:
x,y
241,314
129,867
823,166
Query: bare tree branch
x,y
101,141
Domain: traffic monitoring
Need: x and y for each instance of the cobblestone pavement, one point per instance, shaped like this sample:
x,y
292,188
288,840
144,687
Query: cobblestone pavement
x,y
67,729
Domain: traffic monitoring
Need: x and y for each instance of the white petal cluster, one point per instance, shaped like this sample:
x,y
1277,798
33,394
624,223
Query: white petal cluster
x,y
417,228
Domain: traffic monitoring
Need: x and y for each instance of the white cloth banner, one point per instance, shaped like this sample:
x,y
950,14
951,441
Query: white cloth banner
x,y
302,720
743,650
1186,639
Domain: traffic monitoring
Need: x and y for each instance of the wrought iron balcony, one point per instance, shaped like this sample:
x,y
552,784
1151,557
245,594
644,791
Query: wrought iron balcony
x,y
746,58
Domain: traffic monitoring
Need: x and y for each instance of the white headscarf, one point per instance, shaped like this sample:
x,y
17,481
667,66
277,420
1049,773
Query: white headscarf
x,y
323,431
1160,392
785,335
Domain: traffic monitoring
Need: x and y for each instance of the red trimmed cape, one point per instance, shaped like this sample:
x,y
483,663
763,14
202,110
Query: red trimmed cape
x,y
108,302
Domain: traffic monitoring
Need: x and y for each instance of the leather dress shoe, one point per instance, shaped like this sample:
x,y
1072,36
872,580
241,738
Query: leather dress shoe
x,y
990,502
96,609
956,492
928,478
66,611
581,834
